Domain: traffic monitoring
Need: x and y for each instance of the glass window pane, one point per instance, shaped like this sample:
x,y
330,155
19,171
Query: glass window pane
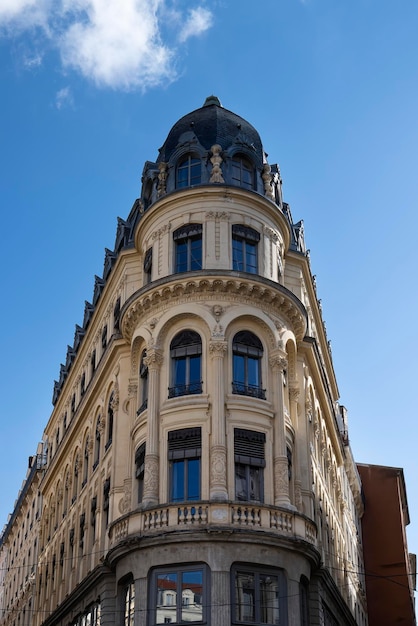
x,y
195,369
177,481
241,482
250,258
237,256
181,256
244,597
193,479
192,596
196,254
179,371
239,368
253,371
255,477
166,598
269,599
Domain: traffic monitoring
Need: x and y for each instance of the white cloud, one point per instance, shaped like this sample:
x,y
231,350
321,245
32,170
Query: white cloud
x,y
64,97
114,43
197,22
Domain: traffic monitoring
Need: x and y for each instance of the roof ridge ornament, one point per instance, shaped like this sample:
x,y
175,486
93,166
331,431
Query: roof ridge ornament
x,y
212,100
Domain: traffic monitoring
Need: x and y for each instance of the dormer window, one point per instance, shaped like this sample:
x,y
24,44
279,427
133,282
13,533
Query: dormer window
x,y
189,172
242,173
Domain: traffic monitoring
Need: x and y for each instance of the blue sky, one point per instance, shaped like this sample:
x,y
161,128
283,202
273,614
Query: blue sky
x,y
90,89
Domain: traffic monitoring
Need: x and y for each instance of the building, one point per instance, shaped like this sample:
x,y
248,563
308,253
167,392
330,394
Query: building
x,y
197,466
19,549
391,570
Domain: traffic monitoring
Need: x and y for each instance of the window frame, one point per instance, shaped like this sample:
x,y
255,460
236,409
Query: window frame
x,y
245,243
242,166
185,349
247,347
188,165
190,258
179,570
184,448
257,572
249,453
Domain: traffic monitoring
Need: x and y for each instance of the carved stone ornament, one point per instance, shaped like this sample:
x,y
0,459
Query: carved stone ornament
x,y
281,476
125,502
218,348
267,180
298,495
278,361
218,467
217,215
115,396
132,388
217,311
162,179
153,323
294,393
218,331
272,300
151,476
154,358
216,160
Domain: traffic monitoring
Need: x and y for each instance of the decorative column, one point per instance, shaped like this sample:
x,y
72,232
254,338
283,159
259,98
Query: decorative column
x,y
278,363
218,486
153,361
294,393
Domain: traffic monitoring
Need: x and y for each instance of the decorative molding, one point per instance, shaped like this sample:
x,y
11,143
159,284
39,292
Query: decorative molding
x,y
125,502
216,160
154,358
218,469
151,477
218,348
270,299
294,393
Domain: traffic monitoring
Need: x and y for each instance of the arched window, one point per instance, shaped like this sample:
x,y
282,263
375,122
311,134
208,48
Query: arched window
x,y
143,375
247,352
86,462
75,478
186,357
189,172
109,421
245,249
97,439
242,172
188,248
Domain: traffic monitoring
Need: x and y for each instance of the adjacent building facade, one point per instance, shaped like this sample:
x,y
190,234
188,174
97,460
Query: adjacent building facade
x,y
196,465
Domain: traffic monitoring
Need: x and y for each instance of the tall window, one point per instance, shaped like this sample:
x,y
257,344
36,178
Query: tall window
x,y
148,266
140,470
245,249
184,452
180,595
106,500
109,421
86,462
188,248
242,173
129,608
97,439
186,357
247,352
249,465
188,172
259,596
143,375
75,478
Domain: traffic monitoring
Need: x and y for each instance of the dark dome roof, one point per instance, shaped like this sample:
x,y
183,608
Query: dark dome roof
x,y
212,124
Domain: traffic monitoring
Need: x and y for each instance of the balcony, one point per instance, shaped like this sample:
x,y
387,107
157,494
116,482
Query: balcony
x,y
219,516
248,390
185,390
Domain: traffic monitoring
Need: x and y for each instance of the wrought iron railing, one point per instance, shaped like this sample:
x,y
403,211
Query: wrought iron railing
x,y
185,389
254,391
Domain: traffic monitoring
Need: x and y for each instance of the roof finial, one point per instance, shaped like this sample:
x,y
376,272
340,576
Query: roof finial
x,y
212,100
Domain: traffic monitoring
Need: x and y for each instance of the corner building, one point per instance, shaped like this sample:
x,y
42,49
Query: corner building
x,y
198,467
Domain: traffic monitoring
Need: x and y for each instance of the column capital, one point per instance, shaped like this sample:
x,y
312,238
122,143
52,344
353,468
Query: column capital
x,y
218,348
154,358
278,360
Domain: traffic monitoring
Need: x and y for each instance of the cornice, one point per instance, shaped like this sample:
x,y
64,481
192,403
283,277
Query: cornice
x,y
234,287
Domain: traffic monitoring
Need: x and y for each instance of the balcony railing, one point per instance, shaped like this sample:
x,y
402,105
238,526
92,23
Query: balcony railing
x,y
229,516
185,390
254,391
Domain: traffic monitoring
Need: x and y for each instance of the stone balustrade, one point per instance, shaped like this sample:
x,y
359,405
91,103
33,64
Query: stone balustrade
x,y
262,518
